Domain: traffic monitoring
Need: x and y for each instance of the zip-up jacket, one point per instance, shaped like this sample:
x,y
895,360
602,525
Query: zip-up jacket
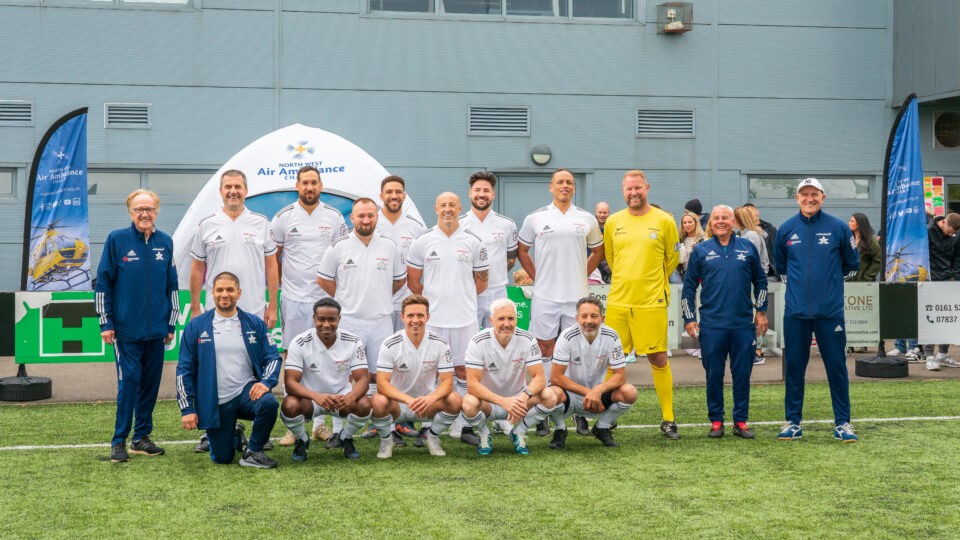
x,y
726,275
944,253
197,368
136,294
814,256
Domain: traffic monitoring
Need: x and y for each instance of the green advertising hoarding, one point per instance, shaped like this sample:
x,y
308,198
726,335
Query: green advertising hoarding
x,y
63,327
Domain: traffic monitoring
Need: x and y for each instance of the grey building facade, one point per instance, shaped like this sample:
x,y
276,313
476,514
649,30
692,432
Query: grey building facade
x,y
757,94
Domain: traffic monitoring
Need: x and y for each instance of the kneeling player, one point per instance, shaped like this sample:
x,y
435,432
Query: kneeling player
x,y
410,363
580,363
495,361
320,365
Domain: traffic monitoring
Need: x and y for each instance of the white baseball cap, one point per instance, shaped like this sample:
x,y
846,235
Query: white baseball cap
x,y
810,182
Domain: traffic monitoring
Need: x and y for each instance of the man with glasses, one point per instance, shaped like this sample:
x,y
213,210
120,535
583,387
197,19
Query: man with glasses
x,y
136,299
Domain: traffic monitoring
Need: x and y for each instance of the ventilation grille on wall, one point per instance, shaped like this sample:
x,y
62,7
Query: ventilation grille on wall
x,y
946,129
485,120
126,115
664,123
16,113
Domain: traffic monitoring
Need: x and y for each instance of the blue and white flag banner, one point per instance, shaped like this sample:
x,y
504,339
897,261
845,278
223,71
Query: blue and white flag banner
x,y
907,256
56,227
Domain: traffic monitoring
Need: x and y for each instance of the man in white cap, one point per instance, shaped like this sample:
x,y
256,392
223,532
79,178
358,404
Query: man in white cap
x,y
814,253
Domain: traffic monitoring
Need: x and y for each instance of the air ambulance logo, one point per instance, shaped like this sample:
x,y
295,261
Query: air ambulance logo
x,y
301,149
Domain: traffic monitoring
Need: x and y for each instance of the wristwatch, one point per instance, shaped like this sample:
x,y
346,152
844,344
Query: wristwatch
x,y
527,392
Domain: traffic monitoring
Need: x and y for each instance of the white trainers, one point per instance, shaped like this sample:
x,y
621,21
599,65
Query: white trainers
x,y
288,439
894,352
320,431
386,447
932,364
916,351
946,360
773,351
692,352
433,444
502,426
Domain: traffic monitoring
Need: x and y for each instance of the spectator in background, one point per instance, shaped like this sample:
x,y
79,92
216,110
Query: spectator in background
x,y
751,231
771,234
868,247
602,273
691,234
693,205
944,258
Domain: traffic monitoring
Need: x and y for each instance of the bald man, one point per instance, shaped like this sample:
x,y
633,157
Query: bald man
x,y
452,263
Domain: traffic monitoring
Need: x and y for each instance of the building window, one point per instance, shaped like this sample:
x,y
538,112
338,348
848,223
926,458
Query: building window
x,y
409,6
8,183
169,183
779,187
475,7
557,9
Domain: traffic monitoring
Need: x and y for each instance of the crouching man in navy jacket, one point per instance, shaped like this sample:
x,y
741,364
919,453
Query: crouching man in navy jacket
x,y
228,364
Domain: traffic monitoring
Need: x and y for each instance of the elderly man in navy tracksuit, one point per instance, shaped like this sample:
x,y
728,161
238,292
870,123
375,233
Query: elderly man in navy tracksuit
x,y
136,299
228,365
815,252
727,268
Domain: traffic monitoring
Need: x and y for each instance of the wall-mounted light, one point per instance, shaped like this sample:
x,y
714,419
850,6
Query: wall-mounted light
x,y
540,154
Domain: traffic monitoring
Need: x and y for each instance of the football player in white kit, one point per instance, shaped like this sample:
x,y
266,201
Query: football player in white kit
x,y
414,380
583,353
498,234
303,231
362,271
317,374
498,360
399,226
561,234
234,239
454,266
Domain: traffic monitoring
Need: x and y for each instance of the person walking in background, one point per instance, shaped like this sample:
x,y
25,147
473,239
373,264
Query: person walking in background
x,y
138,304
944,260
771,233
751,231
691,234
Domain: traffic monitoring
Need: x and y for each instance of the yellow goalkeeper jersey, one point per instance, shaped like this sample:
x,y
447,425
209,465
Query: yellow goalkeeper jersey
x,y
642,252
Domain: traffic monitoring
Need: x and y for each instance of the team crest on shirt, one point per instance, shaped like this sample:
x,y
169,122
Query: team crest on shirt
x,y
463,256
823,239
498,238
428,365
252,338
654,235
381,264
741,257
158,254
405,241
250,239
342,365
579,228
517,363
324,231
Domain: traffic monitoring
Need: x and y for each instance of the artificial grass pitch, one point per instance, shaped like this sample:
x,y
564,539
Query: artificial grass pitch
x,y
899,480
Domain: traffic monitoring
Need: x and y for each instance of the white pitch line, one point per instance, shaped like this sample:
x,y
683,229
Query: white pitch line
x,y
641,426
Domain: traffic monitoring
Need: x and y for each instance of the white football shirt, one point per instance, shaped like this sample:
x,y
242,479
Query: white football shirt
x,y
305,237
499,235
587,362
234,369
403,232
560,241
237,246
364,274
414,370
504,368
448,264
326,370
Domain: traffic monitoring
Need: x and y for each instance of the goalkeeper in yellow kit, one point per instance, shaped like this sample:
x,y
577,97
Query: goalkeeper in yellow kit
x,y
641,246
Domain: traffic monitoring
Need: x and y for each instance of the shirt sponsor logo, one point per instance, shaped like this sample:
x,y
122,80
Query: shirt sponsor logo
x,y
794,240
131,257
711,256
493,367
545,230
349,264
403,367
294,232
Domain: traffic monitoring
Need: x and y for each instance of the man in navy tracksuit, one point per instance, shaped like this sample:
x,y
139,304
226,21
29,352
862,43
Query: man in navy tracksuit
x,y
727,268
228,365
136,298
814,253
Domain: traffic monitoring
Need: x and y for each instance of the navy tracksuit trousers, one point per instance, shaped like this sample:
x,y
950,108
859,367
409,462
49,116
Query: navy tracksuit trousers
x,y
263,412
715,345
139,366
832,341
